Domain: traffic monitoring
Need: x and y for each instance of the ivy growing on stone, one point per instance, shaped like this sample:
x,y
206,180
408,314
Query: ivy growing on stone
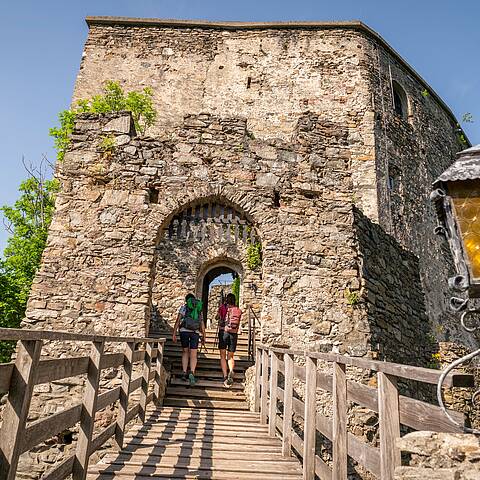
x,y
236,289
254,255
113,99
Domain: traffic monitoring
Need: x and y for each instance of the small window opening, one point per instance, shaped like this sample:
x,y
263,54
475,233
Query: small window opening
x,y
400,101
153,195
276,199
249,82
391,183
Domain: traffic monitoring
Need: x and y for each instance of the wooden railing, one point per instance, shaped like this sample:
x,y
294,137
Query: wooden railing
x,y
28,370
393,409
253,324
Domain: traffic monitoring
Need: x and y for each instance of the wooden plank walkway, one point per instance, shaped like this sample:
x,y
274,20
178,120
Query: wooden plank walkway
x,y
199,443
203,431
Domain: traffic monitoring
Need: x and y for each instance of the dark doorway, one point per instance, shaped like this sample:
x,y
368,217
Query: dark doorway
x,y
222,277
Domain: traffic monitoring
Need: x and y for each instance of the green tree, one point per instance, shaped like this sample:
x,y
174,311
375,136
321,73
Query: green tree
x,y
27,221
113,99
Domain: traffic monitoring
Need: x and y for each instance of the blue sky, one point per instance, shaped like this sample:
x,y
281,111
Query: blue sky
x,y
41,45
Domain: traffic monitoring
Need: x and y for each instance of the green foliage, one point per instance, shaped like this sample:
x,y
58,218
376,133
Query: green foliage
x,y
352,297
236,289
425,93
113,99
28,221
107,145
435,361
254,255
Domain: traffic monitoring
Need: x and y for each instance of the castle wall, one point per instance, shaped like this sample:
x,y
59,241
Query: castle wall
x,y
98,271
271,77
413,151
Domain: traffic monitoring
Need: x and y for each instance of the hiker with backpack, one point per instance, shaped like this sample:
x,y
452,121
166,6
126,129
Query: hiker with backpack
x,y
190,325
229,317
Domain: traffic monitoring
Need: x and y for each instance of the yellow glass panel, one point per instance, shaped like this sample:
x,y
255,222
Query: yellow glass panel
x,y
466,201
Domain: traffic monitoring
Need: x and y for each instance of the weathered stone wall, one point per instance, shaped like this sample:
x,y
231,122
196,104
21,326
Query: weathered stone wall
x,y
99,273
214,296
411,153
441,456
271,77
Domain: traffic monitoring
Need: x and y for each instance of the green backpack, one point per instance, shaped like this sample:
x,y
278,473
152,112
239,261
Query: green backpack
x,y
192,319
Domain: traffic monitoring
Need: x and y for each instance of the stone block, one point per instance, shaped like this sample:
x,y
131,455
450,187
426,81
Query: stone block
x,y
119,125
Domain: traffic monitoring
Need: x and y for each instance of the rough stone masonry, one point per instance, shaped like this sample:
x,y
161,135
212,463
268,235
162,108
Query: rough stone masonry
x,y
292,126
315,139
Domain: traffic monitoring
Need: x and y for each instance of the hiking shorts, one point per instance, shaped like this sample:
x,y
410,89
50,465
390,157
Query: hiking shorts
x,y
227,341
190,340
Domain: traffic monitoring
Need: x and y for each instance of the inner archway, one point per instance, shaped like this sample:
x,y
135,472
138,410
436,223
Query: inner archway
x,y
217,283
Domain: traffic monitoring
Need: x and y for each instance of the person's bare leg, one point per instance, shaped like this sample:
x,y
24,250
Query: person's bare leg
x,y
223,362
185,356
231,361
193,360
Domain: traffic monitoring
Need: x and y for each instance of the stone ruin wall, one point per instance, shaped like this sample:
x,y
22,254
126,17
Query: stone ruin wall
x,y
297,148
414,151
180,267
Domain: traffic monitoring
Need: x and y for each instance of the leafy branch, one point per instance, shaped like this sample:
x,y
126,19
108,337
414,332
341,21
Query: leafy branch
x,y
113,99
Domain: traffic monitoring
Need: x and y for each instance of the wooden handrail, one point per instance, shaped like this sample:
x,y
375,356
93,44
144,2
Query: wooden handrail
x,y
20,377
393,409
410,372
21,334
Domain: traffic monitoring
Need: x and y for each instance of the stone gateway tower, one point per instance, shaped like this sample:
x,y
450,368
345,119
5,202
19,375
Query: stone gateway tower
x,y
315,143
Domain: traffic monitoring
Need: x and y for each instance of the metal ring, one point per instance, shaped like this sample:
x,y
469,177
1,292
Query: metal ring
x,y
463,317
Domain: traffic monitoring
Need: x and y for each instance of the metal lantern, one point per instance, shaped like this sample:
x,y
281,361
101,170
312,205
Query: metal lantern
x,y
456,196
457,200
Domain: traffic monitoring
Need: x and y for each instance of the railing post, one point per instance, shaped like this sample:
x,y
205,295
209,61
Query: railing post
x,y
273,394
258,373
389,419
124,394
17,407
158,375
339,422
264,388
287,406
147,365
310,419
89,407
250,346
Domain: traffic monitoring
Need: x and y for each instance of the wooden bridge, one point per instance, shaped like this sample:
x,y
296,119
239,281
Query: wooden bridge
x,y
206,432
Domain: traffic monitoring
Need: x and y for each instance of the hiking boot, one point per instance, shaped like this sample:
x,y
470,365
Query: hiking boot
x,y
184,377
229,380
225,382
192,379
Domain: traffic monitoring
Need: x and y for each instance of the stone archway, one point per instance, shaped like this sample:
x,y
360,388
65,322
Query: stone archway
x,y
200,240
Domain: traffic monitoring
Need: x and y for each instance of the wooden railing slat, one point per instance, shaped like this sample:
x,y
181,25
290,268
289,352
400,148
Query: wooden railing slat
x,y
273,393
18,404
147,365
87,417
287,406
309,428
264,388
124,394
339,439
23,334
60,471
158,375
389,424
258,368
46,428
